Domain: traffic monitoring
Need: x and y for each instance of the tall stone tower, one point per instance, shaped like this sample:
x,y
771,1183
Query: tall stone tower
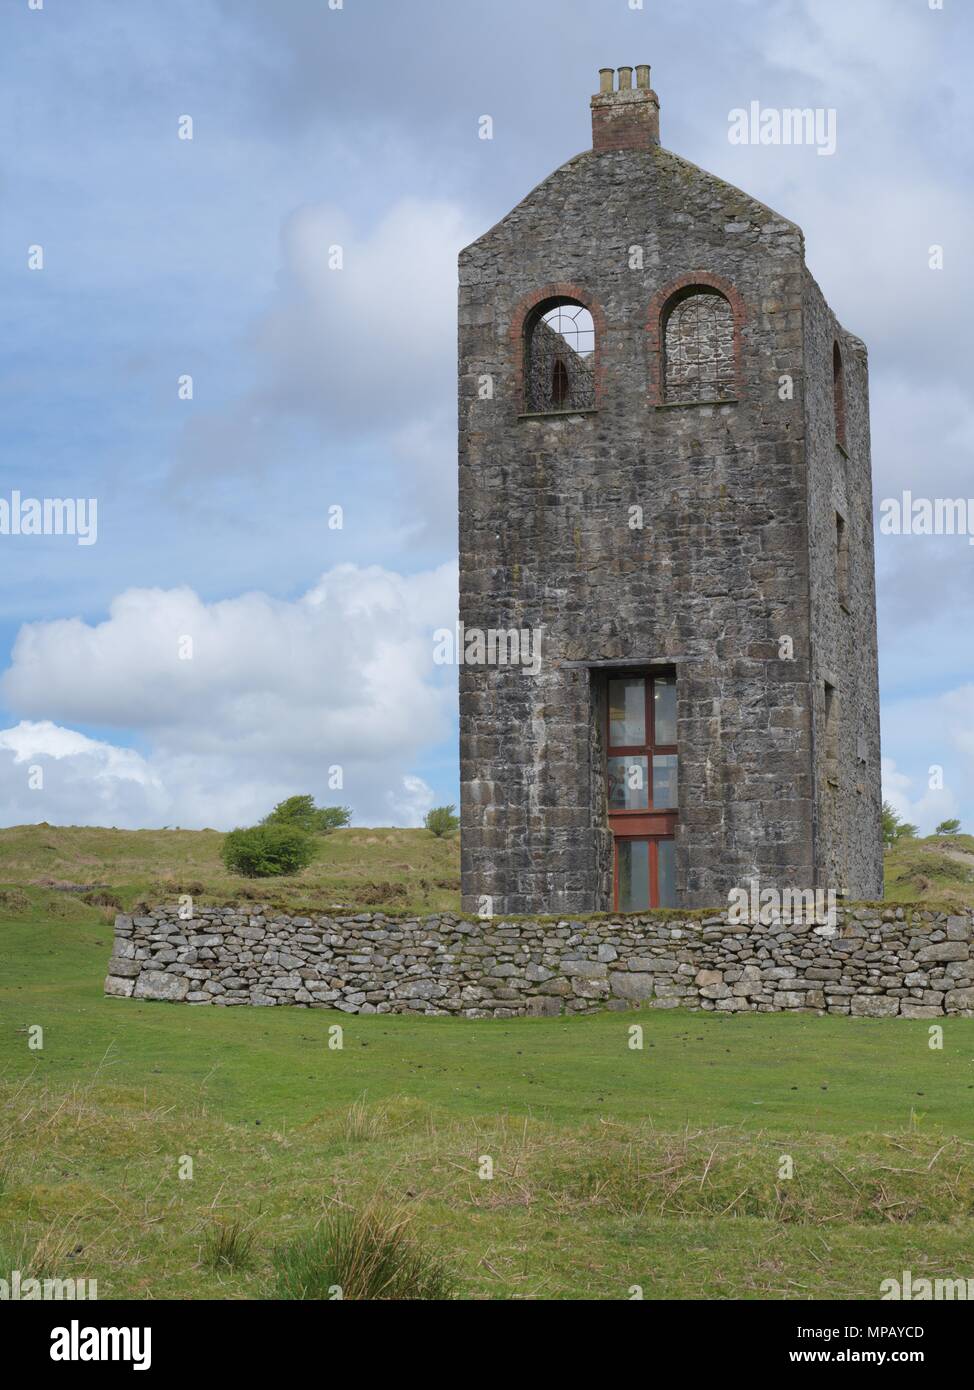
x,y
666,557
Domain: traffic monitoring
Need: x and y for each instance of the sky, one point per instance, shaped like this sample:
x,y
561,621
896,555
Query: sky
x,y
179,345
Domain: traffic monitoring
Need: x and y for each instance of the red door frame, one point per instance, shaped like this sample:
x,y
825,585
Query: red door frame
x,y
641,824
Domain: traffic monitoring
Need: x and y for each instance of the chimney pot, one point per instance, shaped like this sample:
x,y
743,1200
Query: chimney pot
x,y
626,118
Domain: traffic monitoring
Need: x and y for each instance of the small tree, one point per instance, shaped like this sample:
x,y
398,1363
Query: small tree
x,y
302,812
441,821
948,827
895,829
262,851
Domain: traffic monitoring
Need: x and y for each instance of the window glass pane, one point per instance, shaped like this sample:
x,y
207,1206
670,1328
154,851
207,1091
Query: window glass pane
x,y
664,704
666,872
627,713
633,875
628,783
664,781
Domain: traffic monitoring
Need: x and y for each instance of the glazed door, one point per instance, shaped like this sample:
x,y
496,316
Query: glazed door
x,y
641,776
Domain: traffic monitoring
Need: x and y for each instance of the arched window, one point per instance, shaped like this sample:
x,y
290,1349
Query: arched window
x,y
559,357
838,395
698,347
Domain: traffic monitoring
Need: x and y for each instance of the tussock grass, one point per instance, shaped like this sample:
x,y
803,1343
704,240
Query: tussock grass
x,y
719,1173
46,1250
362,1254
363,1122
229,1246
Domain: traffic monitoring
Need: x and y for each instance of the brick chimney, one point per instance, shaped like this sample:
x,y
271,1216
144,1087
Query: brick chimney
x,y
625,117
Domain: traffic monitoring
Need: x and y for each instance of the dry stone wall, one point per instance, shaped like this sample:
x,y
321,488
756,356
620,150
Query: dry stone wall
x,y
879,962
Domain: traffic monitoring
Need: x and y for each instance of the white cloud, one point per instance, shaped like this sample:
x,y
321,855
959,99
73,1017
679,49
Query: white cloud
x,y
373,341
364,349
52,773
275,694
925,810
409,805
926,733
843,46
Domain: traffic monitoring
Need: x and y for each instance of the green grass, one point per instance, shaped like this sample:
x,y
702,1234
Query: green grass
x,y
392,870
397,870
367,1253
940,868
612,1166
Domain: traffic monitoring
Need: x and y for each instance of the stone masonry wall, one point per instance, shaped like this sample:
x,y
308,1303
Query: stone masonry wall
x,y
706,588
877,962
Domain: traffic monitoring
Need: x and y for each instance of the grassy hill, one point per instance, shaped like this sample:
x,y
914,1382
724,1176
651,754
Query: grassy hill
x,y
938,868
396,870
399,870
613,1167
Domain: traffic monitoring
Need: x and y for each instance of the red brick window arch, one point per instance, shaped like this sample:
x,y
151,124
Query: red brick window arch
x,y
694,333
838,395
557,338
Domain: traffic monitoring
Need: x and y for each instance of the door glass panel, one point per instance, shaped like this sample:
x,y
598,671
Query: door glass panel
x,y
627,712
628,783
666,872
664,705
633,875
664,781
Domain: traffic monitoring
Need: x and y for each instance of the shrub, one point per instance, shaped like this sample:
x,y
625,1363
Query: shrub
x,y
302,812
441,821
365,1254
895,829
265,850
948,827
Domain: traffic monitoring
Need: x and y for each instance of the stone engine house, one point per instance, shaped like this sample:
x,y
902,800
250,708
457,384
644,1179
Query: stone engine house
x,y
665,494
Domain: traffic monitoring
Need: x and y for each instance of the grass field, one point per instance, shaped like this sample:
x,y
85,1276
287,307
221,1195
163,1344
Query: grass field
x,y
396,870
393,870
613,1166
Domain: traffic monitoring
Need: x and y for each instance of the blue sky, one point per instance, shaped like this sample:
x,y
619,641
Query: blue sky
x,y
358,127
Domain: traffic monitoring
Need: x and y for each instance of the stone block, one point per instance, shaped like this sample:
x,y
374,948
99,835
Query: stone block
x,y
119,987
159,984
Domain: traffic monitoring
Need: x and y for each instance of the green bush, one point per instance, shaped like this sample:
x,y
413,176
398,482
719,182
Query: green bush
x,y
441,821
366,1254
895,829
948,827
265,850
302,812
